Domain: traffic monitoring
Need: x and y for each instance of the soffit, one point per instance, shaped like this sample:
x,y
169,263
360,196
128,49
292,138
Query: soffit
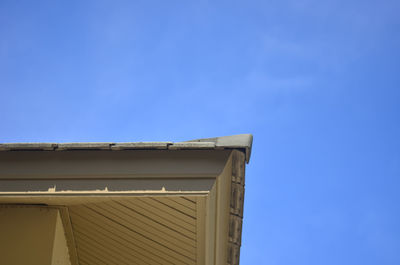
x,y
130,230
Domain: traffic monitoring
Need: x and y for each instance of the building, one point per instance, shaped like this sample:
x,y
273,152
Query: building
x,y
123,203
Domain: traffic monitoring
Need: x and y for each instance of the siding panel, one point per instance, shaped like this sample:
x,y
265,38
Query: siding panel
x,y
136,230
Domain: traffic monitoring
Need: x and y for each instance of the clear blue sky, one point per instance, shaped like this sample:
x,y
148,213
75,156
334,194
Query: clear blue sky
x,y
316,82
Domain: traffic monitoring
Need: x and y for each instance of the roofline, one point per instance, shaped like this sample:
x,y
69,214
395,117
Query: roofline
x,y
240,141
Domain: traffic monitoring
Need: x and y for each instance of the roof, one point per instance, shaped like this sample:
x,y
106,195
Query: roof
x,y
135,202
240,141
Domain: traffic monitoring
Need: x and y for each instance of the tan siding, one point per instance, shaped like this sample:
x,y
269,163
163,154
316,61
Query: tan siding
x,y
165,211
148,230
136,230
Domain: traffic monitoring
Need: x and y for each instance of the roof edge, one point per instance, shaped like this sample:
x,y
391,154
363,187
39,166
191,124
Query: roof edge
x,y
240,141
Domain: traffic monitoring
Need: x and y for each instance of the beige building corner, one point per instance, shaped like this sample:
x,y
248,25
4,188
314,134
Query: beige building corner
x,y
123,203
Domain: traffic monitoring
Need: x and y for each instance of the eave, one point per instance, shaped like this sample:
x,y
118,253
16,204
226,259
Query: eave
x,y
202,179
